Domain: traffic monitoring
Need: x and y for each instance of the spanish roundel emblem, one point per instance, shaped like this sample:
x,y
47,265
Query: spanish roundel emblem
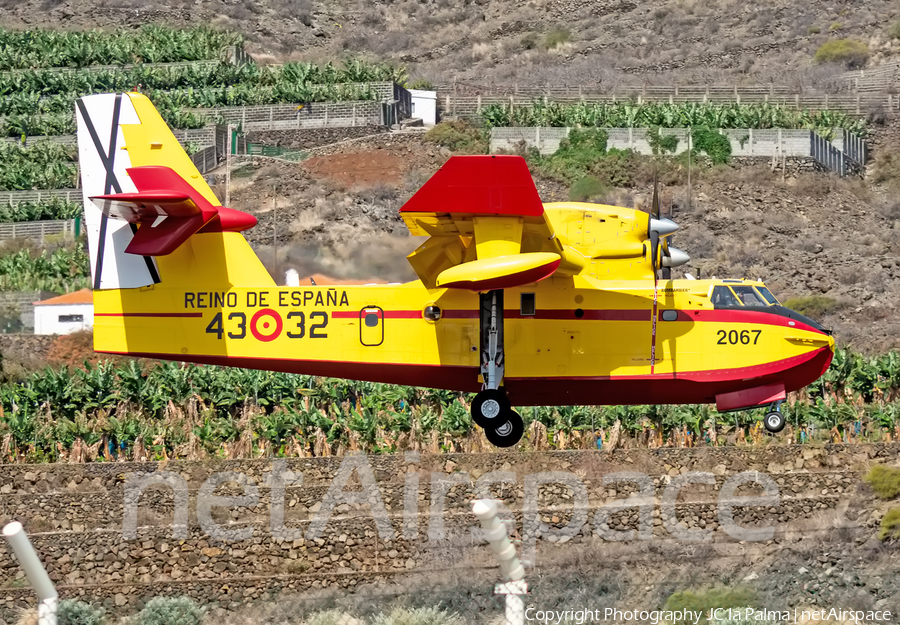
x,y
266,325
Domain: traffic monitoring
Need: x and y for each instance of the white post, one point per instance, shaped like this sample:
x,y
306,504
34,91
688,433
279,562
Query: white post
x,y
514,587
34,571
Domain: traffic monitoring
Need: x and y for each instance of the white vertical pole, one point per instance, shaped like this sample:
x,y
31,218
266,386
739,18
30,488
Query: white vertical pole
x,y
495,532
34,571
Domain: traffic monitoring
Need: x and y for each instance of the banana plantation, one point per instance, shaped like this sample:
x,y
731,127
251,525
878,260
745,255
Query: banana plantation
x,y
198,86
41,165
32,49
61,270
157,410
664,115
54,208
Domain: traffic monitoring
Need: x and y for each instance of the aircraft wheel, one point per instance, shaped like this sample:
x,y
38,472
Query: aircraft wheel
x,y
507,434
489,405
774,422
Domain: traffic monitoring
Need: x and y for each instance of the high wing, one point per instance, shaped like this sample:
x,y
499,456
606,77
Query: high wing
x,y
489,230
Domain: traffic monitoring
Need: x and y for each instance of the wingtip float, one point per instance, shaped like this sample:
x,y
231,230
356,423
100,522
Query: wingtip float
x,y
524,303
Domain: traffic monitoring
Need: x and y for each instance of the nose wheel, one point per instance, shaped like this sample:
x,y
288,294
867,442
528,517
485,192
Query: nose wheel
x,y
774,420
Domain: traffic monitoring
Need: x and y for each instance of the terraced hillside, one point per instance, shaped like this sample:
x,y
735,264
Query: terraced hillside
x,y
535,42
823,551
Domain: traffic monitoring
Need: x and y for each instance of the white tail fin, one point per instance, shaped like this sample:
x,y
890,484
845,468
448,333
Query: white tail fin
x,y
103,159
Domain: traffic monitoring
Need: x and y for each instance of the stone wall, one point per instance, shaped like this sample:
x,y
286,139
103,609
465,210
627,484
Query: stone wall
x,y
74,515
315,115
310,137
89,505
25,346
656,462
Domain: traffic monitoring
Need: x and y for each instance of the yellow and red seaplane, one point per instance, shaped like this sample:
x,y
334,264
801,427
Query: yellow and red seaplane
x,y
521,302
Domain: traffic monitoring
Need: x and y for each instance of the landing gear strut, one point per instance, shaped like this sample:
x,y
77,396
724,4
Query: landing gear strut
x,y
491,409
774,420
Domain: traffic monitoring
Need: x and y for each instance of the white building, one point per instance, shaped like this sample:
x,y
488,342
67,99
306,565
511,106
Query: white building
x,y
64,314
424,106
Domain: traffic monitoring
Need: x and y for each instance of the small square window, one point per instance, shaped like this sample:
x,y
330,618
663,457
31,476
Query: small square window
x,y
527,308
71,318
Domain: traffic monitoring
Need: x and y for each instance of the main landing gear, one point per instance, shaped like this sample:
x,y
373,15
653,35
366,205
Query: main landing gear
x,y
491,409
774,420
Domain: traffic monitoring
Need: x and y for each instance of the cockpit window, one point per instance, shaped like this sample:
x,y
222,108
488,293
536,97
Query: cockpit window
x,y
767,294
748,296
722,297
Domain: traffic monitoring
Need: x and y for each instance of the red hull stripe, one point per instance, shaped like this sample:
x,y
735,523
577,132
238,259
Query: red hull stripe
x,y
700,316
660,388
708,375
148,314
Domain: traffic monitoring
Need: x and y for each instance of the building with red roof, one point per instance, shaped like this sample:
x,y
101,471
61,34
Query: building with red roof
x,y
64,313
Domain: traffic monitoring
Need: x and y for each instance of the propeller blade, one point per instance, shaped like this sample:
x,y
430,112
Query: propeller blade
x,y
654,208
654,250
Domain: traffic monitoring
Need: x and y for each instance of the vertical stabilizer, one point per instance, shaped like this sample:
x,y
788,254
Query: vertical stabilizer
x,y
103,158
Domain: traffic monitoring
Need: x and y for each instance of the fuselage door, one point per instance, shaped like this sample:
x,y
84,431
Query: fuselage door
x,y
371,326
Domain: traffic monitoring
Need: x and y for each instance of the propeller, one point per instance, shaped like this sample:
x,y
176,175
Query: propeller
x,y
658,228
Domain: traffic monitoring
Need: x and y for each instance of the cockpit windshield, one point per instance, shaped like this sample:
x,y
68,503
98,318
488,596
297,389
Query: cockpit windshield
x,y
767,294
722,297
740,295
748,296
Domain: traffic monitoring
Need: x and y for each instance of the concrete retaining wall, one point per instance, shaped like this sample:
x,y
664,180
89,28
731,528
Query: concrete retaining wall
x,y
744,142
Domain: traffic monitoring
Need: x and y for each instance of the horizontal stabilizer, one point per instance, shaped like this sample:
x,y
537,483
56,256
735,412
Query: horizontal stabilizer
x,y
163,237
500,272
168,210
135,207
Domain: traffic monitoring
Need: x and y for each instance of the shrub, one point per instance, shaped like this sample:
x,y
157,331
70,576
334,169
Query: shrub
x,y
887,166
529,41
576,156
660,144
72,612
894,30
884,480
703,600
170,611
418,616
814,306
848,51
835,26
890,525
422,84
586,188
712,143
459,137
556,37
813,30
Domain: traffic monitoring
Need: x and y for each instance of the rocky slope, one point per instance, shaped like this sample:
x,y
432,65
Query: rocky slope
x,y
605,42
